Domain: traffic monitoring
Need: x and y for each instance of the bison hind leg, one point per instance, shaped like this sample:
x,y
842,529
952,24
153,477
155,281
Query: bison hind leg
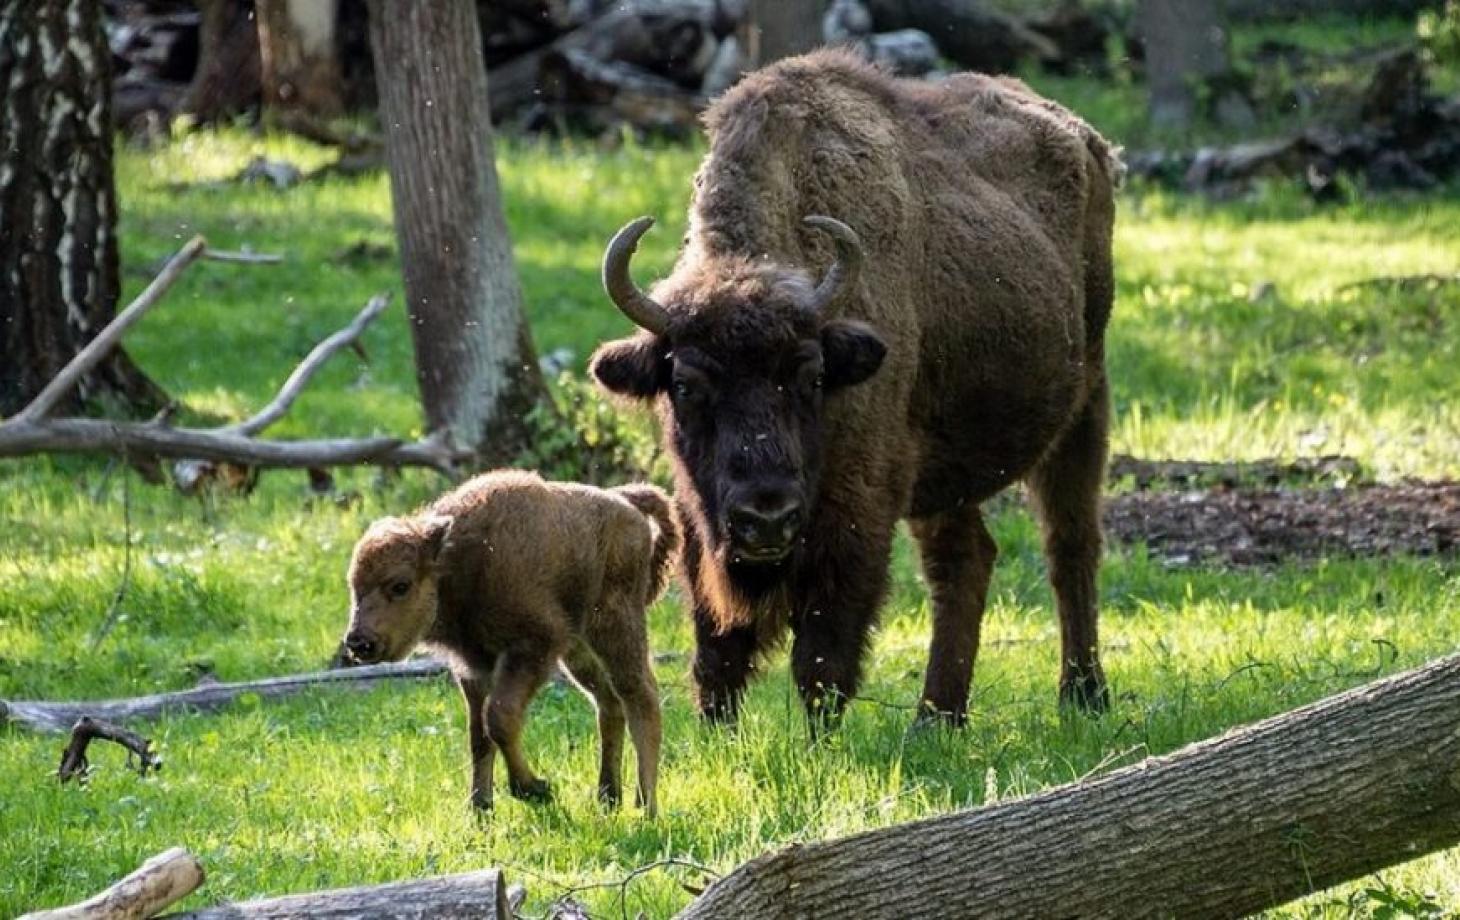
x,y
1066,487
958,556
587,672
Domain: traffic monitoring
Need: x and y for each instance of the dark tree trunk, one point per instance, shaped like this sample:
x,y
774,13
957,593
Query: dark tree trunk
x,y
58,206
228,77
1223,828
300,57
474,356
775,29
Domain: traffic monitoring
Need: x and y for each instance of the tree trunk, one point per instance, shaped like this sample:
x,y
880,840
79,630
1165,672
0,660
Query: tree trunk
x,y
1223,828
480,895
299,54
775,29
228,79
474,356
970,33
1186,51
58,205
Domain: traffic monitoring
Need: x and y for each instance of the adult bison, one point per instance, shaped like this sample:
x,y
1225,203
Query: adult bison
x,y
953,345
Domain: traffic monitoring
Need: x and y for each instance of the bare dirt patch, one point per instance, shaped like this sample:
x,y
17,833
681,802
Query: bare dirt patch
x,y
1253,526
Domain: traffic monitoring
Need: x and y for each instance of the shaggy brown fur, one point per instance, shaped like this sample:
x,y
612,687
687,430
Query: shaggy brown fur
x,y
509,575
968,356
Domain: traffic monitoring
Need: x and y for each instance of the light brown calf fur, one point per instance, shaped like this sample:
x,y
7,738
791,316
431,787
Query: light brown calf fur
x,y
508,575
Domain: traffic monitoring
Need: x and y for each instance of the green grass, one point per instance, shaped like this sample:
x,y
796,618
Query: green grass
x,y
343,788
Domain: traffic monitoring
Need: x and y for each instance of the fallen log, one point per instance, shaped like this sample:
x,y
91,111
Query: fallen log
x,y
469,896
161,881
48,716
1223,828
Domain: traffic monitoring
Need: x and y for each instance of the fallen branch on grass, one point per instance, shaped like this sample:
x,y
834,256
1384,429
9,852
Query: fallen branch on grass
x,y
32,430
469,896
73,760
161,881
1227,827
48,716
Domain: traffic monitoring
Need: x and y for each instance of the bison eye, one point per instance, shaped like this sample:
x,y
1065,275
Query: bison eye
x,y
398,589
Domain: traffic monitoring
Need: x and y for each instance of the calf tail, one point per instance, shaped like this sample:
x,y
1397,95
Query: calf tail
x,y
654,505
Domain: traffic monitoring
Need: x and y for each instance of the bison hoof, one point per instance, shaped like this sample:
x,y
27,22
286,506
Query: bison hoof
x,y
931,716
481,799
1085,692
535,790
609,796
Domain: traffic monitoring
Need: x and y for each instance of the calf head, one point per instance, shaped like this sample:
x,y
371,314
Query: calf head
x,y
743,354
393,576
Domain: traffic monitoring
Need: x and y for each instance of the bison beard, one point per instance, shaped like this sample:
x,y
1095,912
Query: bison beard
x,y
953,345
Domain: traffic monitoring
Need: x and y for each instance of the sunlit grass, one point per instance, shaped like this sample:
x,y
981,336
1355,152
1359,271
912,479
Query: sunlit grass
x,y
343,788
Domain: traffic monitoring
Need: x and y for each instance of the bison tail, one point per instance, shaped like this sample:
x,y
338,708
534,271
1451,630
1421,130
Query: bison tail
x,y
654,505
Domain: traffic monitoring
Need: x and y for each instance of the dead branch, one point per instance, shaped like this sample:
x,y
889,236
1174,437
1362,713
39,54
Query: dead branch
x,y
481,895
246,258
48,716
73,760
158,883
33,431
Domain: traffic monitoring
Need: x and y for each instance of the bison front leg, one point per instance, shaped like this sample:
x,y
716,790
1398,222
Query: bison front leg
x,y
723,664
958,560
833,622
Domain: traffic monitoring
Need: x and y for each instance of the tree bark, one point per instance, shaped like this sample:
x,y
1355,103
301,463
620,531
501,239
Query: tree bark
x,y
474,356
775,29
58,206
469,896
300,57
229,74
1223,828
1186,52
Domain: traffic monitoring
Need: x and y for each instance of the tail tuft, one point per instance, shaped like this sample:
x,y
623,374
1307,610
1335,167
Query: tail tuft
x,y
654,505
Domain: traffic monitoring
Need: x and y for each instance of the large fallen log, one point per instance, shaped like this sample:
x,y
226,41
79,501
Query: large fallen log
x,y
468,896
48,716
162,880
1223,828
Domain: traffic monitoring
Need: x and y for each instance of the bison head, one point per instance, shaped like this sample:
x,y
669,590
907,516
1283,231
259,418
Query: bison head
x,y
743,353
393,580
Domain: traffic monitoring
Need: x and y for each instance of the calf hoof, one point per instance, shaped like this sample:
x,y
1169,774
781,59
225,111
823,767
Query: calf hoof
x,y
481,800
931,717
1085,691
535,790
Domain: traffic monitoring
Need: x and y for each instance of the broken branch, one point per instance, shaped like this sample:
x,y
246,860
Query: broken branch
x,y
47,716
158,883
73,759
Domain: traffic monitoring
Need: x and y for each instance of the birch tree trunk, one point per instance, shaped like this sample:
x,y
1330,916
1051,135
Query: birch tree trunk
x,y
300,58
474,357
58,206
1223,828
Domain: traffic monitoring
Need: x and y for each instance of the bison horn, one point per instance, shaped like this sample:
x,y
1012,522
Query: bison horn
x,y
635,304
843,272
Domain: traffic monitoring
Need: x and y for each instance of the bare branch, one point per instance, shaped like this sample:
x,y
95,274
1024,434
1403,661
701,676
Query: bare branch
x,y
161,881
246,258
73,759
106,340
312,362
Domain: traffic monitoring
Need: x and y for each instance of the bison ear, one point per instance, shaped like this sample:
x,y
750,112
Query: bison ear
x,y
434,531
632,367
851,352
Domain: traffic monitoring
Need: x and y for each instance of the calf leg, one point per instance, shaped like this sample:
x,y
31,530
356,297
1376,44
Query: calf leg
x,y
621,643
1066,490
483,751
958,559
520,673
583,666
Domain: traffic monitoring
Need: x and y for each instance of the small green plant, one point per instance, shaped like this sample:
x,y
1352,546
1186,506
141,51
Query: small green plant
x,y
1439,34
583,436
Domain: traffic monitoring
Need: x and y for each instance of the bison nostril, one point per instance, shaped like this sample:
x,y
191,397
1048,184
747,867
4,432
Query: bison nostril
x,y
361,647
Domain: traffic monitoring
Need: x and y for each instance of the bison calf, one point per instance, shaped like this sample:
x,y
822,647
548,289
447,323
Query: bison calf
x,y
507,576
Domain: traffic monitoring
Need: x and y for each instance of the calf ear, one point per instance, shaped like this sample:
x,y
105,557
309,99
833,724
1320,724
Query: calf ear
x,y
434,531
851,352
632,367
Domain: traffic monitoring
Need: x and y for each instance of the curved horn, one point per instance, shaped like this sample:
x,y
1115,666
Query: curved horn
x,y
635,304
843,272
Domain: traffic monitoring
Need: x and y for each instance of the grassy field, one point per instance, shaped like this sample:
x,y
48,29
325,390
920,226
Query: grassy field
x,y
342,788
